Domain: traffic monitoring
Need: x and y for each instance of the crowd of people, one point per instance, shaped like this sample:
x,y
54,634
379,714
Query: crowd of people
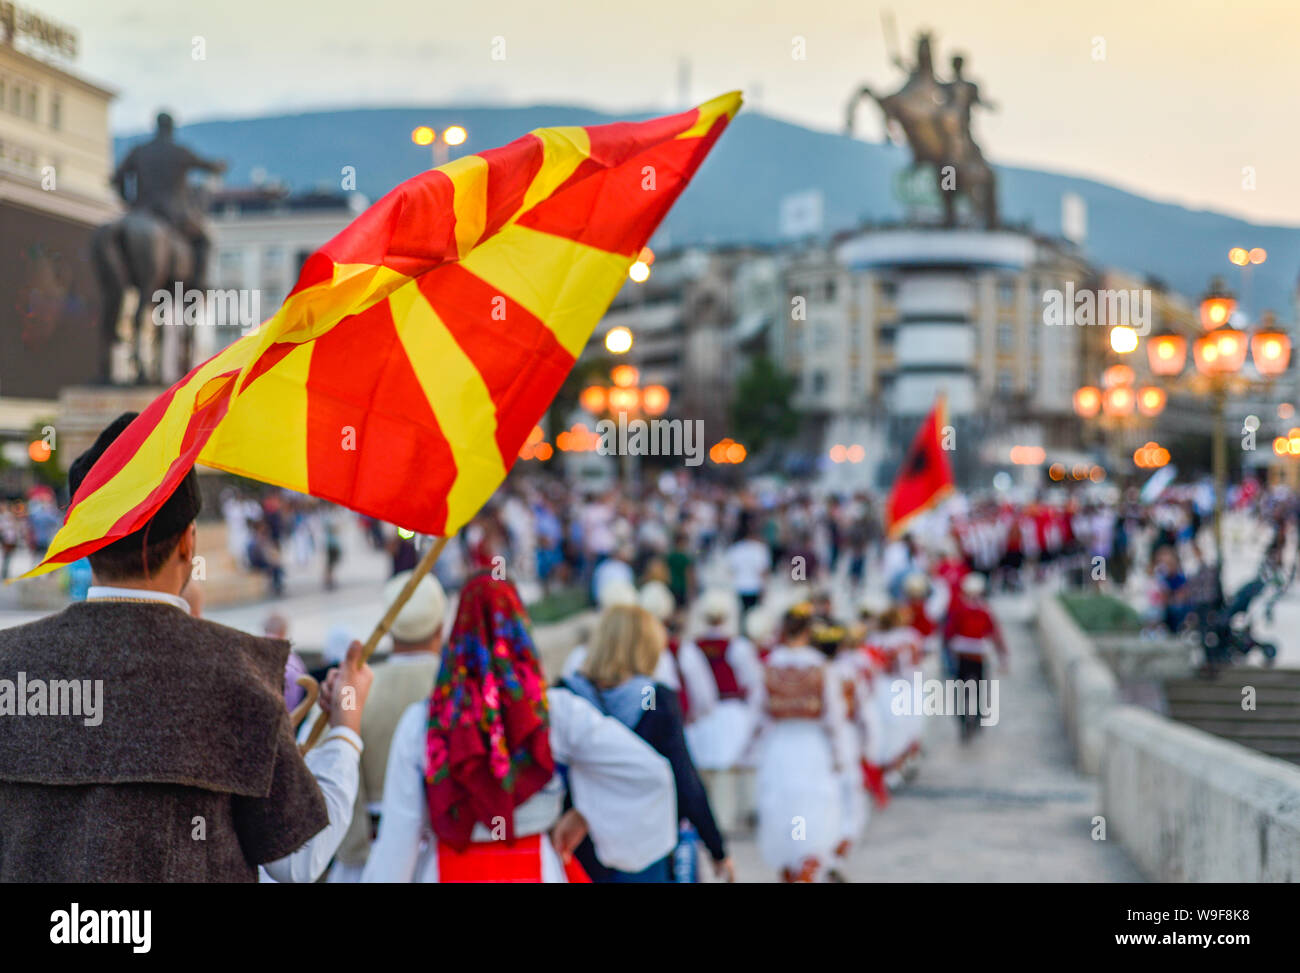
x,y
772,712
748,670
27,525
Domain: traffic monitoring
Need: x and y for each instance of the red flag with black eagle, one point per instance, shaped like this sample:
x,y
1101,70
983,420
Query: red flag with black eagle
x,y
925,478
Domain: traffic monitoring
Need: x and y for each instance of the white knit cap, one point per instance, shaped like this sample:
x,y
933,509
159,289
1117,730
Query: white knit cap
x,y
873,603
760,624
423,612
717,603
657,598
616,592
915,585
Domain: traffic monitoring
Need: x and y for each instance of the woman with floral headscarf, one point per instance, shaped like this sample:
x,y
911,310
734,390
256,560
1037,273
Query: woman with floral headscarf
x,y
474,792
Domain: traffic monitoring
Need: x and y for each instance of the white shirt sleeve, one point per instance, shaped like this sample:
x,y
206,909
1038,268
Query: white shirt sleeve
x,y
336,765
697,677
936,606
836,720
573,662
619,784
666,671
744,661
404,819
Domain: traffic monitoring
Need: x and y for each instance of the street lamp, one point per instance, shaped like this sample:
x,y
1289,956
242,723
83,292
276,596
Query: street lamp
x,y
1087,401
1167,353
618,340
1270,347
1123,339
1217,305
1221,352
1219,355
626,395
424,135
1151,401
1118,401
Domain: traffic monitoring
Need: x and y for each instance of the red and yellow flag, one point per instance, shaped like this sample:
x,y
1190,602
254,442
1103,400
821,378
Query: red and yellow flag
x,y
422,344
925,478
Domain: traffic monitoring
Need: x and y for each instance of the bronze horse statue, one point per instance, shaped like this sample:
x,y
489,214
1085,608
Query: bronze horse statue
x,y
160,244
934,117
142,252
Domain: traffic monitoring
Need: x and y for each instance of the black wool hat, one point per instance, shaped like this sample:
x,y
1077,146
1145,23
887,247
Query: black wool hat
x,y
177,512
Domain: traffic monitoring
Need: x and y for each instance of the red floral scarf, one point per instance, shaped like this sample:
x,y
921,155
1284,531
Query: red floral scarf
x,y
488,747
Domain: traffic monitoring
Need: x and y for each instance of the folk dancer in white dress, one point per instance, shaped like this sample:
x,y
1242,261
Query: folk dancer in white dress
x,y
473,790
845,674
803,748
905,651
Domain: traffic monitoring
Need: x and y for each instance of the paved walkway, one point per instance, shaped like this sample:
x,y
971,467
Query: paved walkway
x,y
1009,807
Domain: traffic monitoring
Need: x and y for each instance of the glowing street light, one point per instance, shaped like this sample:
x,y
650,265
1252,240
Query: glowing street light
x,y
1087,401
1118,401
1118,375
1270,347
1167,353
424,135
1151,400
1217,306
1123,339
618,341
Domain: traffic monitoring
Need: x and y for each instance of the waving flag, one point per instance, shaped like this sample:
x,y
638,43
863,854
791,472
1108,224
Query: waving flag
x,y
421,345
925,478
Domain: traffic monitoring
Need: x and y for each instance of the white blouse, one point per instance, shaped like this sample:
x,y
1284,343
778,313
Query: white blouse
x,y
834,718
619,783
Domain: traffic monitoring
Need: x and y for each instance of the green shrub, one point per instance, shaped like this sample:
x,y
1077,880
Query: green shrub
x,y
1099,614
558,605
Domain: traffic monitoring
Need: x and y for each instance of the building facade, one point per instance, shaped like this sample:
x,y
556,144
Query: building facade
x,y
55,164
261,237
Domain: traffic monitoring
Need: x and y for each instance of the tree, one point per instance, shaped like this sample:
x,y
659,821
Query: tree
x,y
761,410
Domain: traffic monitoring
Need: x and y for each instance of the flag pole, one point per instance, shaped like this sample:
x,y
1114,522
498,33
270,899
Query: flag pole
x,y
385,623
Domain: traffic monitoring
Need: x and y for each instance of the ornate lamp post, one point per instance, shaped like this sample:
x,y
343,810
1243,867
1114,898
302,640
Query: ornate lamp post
x,y
1219,355
626,397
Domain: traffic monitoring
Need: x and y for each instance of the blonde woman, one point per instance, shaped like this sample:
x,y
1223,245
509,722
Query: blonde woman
x,y
618,678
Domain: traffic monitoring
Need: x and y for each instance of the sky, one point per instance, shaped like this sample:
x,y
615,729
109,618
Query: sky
x,y
1187,101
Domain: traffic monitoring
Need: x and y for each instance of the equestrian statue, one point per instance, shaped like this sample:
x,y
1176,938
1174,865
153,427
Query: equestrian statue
x,y
935,119
159,243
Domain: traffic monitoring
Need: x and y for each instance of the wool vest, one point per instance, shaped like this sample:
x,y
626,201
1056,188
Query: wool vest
x,y
188,773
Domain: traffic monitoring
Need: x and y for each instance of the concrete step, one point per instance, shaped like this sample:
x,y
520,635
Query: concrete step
x,y
1232,710
1235,729
1214,706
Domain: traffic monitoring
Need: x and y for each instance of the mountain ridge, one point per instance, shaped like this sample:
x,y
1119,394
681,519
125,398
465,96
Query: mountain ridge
x,y
735,197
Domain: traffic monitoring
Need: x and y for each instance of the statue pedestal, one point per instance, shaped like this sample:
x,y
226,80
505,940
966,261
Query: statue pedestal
x,y
85,410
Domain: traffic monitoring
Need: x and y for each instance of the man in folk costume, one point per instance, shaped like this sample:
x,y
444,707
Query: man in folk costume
x,y
719,737
973,634
405,677
473,791
188,771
